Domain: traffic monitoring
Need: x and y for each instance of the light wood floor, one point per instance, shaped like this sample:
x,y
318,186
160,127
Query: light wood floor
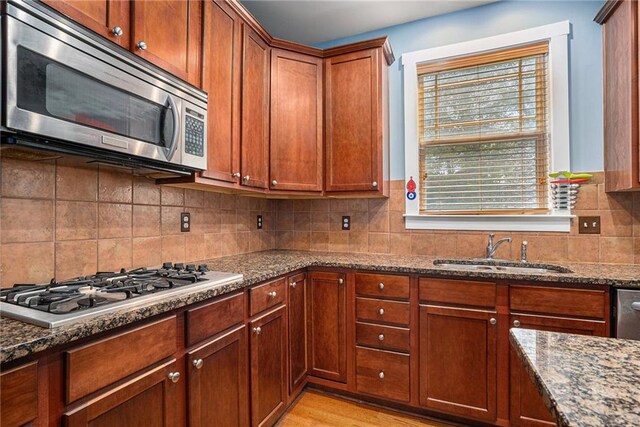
x,y
319,409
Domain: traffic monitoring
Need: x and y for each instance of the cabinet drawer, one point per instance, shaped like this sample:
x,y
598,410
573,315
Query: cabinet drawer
x,y
559,301
385,337
19,395
382,285
208,320
382,311
462,292
382,373
265,296
98,364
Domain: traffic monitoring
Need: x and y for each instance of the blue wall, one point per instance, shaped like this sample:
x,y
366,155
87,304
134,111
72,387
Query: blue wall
x,y
585,62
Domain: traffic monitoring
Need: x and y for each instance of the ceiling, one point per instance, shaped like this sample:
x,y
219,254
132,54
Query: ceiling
x,y
315,21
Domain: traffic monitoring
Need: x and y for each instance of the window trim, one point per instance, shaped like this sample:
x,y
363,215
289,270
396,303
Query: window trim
x,y
557,35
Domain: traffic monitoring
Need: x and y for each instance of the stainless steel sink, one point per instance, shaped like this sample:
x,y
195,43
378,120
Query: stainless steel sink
x,y
500,267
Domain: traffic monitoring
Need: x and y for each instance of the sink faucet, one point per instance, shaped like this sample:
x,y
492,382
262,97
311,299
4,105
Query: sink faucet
x,y
493,247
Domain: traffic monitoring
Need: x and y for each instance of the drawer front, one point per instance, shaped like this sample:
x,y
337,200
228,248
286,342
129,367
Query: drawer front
x,y
382,285
19,395
558,301
461,292
208,320
96,365
382,311
382,373
384,337
266,296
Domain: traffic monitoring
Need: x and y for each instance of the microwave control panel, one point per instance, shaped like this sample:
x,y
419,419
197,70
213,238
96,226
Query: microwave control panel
x,y
194,133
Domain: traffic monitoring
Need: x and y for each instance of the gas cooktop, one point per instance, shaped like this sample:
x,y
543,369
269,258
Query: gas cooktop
x,y
61,303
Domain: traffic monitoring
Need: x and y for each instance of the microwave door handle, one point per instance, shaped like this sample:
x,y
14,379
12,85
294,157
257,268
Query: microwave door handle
x,y
171,149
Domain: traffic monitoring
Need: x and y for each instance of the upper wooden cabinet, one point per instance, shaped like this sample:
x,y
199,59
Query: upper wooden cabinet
x,y
254,156
296,121
356,134
109,18
619,19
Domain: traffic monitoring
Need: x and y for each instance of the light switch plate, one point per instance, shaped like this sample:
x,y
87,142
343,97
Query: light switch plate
x,y
588,225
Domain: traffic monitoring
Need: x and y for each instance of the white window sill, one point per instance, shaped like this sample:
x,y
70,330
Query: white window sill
x,y
556,222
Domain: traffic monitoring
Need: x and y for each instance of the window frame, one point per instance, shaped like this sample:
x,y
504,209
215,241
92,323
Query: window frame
x,y
557,35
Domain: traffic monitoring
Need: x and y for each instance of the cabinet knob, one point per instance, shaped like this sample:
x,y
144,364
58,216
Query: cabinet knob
x,y
117,31
274,182
493,321
198,363
381,337
174,377
381,286
381,311
374,184
257,330
272,294
381,375
246,178
516,323
340,281
142,45
236,175
293,285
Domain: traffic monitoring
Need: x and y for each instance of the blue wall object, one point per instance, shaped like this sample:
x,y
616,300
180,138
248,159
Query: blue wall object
x,y
585,63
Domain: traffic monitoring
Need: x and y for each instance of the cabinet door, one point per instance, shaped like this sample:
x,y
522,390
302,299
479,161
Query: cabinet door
x,y
109,18
218,373
254,141
19,395
268,367
328,344
154,391
296,122
526,405
458,358
222,57
298,323
168,33
353,122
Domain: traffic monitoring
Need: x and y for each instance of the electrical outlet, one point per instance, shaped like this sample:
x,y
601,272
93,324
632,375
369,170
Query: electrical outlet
x,y
185,222
259,222
346,223
589,225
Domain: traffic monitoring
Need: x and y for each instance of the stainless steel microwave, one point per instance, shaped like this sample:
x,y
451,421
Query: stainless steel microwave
x,y
65,89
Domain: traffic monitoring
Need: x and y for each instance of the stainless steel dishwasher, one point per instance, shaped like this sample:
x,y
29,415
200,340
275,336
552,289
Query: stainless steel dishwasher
x,y
628,314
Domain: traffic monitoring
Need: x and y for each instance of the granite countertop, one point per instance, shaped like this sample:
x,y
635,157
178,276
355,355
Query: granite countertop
x,y
18,339
585,381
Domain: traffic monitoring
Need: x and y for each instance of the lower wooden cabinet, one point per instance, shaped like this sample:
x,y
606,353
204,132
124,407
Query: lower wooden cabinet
x,y
382,373
19,395
328,337
458,361
148,400
527,408
298,316
268,367
217,372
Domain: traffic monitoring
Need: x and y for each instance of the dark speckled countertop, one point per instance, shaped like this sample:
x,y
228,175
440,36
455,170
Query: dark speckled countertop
x,y
585,381
18,339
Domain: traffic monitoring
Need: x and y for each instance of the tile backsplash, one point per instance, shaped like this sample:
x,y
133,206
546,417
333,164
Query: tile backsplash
x,y
64,218
377,226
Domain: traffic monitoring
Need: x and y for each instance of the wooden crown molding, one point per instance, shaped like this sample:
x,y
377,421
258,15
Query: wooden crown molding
x,y
606,11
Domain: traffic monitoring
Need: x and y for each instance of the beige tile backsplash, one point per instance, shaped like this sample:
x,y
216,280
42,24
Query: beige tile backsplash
x,y
64,218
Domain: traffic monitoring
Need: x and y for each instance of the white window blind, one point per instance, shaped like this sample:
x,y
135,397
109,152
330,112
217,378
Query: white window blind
x,y
483,132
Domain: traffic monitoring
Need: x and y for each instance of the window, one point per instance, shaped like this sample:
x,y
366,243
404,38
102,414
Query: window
x,y
490,121
483,132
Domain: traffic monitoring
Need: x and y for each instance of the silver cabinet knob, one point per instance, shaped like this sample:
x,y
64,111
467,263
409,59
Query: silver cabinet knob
x,y
236,175
381,286
272,294
142,45
374,184
381,311
198,363
117,31
381,375
293,284
246,178
516,323
174,377
340,281
257,330
381,337
274,182
493,321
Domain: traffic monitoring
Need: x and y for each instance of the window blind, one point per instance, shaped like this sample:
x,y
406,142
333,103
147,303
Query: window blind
x,y
483,132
